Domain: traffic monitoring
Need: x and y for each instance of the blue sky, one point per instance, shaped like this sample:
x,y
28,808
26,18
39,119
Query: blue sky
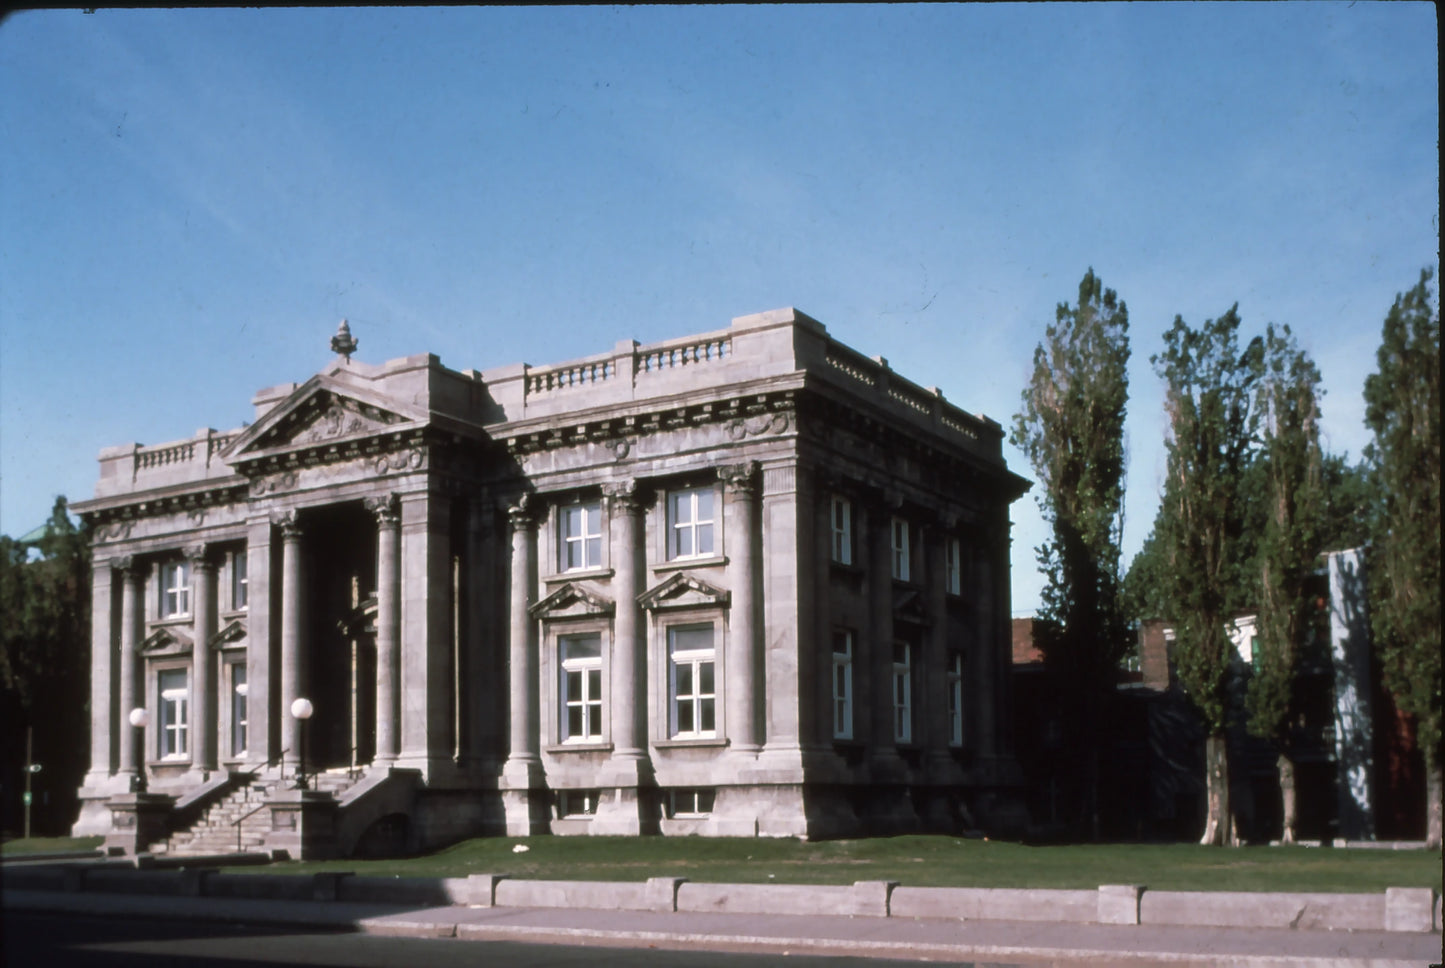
x,y
191,199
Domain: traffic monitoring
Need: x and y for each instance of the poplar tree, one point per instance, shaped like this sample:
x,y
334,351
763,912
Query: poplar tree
x,y
1071,427
1291,463
1210,405
1402,409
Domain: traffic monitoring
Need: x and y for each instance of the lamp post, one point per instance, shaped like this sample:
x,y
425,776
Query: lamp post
x,y
31,768
301,711
140,718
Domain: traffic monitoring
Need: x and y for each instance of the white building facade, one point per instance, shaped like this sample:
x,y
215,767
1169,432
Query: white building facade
x,y
745,583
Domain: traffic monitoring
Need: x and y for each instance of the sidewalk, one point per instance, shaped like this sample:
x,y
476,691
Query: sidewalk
x,y
924,939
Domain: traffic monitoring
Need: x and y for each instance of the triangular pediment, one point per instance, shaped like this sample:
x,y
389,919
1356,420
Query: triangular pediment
x,y
166,640
572,601
323,411
683,591
908,607
234,631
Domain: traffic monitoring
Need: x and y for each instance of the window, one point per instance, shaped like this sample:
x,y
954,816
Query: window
x,y
842,684
239,587
175,589
238,708
175,696
900,549
955,699
692,667
902,693
953,566
842,515
577,803
688,804
690,523
580,657
581,536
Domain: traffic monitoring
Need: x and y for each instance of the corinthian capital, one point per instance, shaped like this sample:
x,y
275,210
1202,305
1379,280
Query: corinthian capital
x,y
387,508
622,496
289,521
522,514
740,479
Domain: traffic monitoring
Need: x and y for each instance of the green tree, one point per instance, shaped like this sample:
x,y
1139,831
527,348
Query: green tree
x,y
1402,409
1289,543
1071,426
45,663
1210,404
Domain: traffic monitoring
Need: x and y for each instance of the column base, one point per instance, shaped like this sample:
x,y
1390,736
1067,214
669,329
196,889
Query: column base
x,y
624,812
526,805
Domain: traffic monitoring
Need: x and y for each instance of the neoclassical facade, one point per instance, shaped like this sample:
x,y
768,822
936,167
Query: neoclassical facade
x,y
744,583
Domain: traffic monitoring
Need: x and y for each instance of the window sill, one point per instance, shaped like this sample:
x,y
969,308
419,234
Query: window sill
x,y
581,574
597,747
170,620
681,564
667,744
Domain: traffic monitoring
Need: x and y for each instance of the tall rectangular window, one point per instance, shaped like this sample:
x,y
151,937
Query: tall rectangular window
x,y
902,693
955,699
175,589
239,587
239,708
901,570
581,536
953,565
580,658
842,515
690,523
174,725
692,667
842,684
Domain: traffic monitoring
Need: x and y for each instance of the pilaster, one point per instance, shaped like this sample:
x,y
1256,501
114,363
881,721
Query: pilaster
x,y
260,614
426,639
132,614
102,650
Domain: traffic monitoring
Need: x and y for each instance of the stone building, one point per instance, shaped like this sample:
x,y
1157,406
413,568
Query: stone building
x,y
744,583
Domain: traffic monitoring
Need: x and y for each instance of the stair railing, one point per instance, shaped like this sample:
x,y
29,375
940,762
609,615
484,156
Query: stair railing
x,y
239,820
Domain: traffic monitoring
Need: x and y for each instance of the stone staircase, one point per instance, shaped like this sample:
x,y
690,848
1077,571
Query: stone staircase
x,y
215,832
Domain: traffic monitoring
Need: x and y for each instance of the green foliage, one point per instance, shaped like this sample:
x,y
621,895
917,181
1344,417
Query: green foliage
x,y
1402,408
1071,426
1213,418
1350,499
1290,465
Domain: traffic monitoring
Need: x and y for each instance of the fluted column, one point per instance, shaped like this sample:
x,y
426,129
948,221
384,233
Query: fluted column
x,y
523,732
132,613
628,693
203,667
292,666
741,702
102,647
388,626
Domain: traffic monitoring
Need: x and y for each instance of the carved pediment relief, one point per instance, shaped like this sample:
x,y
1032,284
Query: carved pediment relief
x,y
908,607
682,591
233,632
322,411
169,640
572,601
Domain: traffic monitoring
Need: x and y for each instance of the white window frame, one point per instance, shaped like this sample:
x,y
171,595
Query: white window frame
x,y
697,705
840,519
687,528
173,702
587,542
898,529
953,565
175,589
240,582
240,703
588,702
842,684
955,699
902,692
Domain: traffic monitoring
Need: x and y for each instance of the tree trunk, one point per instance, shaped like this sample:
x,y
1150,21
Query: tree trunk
x,y
1286,792
1218,825
1432,800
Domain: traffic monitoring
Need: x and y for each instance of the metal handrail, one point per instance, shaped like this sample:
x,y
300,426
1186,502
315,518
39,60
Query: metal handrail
x,y
239,820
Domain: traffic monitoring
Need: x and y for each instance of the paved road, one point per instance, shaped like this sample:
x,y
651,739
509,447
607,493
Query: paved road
x,y
77,941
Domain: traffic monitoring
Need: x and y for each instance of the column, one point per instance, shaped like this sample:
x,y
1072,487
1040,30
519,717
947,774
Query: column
x,y
203,668
425,653
880,640
482,681
102,716
292,666
628,665
260,688
741,687
522,680
132,613
388,626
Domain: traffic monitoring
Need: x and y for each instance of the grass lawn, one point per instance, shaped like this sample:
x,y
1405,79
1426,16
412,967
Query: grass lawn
x,y
46,845
917,861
